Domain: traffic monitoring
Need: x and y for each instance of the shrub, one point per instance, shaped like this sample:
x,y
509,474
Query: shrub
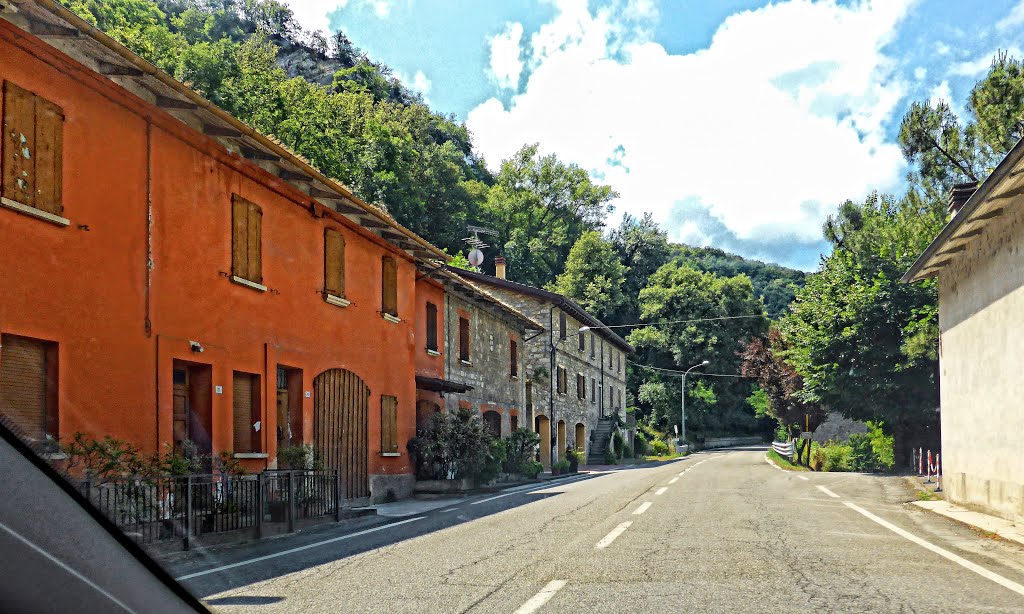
x,y
627,451
533,469
303,456
781,433
609,457
659,447
520,448
453,446
838,457
617,444
562,466
640,443
874,450
817,457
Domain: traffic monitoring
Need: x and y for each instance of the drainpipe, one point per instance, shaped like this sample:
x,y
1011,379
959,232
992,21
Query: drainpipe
x,y
551,385
601,403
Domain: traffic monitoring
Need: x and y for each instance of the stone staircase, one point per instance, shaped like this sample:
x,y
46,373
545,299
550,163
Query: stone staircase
x,y
598,444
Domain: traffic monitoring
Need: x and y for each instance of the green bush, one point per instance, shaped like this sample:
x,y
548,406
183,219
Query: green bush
x,y
532,470
453,446
781,433
874,450
838,457
562,466
495,459
609,457
659,447
640,443
627,451
520,448
618,443
303,456
817,457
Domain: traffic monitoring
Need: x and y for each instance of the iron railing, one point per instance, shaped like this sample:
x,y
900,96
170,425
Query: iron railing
x,y
161,509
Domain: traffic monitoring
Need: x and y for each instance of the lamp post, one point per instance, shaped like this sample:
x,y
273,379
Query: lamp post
x,y
682,405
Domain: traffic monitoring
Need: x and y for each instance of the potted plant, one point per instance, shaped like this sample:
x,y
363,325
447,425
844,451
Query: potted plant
x,y
560,467
573,457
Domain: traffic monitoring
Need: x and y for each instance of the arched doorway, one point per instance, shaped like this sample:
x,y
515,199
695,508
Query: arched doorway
x,y
543,428
492,423
581,441
561,439
340,400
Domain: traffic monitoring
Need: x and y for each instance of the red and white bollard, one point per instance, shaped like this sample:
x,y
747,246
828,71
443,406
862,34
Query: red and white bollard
x,y
920,461
929,480
938,472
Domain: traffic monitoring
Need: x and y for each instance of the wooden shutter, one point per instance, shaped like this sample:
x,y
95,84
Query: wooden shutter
x,y
246,239
388,424
23,385
513,357
593,390
592,348
48,155
432,327
582,342
561,325
389,286
581,386
19,136
255,244
464,339
334,262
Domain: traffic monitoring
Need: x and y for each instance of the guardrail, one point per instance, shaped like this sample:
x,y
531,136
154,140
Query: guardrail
x,y
786,449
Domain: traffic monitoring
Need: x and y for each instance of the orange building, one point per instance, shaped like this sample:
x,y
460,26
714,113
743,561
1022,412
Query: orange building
x,y
170,275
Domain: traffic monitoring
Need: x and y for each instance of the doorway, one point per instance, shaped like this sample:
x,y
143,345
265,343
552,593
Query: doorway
x,y
581,440
193,408
543,428
340,405
561,439
289,407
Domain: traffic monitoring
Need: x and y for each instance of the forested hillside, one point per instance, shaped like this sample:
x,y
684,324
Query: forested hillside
x,y
322,97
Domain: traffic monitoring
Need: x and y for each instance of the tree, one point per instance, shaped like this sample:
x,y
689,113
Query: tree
x,y
540,207
678,295
643,248
593,276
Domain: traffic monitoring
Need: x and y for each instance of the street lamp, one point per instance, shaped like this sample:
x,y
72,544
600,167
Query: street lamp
x,y
682,406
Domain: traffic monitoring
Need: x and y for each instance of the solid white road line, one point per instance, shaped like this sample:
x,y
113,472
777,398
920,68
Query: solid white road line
x,y
541,598
299,549
680,474
978,569
643,508
827,492
616,532
661,490
530,488
673,480
450,509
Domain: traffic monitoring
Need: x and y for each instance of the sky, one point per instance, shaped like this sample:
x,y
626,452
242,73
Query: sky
x,y
739,124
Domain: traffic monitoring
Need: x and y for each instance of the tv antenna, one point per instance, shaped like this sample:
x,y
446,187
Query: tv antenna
x,y
476,254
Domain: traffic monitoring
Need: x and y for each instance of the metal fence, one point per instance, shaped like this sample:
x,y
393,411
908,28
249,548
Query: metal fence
x,y
785,449
163,509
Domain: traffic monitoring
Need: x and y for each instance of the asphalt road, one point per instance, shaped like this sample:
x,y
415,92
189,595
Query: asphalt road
x,y
716,532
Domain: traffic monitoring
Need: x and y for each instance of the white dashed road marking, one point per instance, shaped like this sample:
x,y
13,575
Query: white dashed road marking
x,y
803,478
673,480
616,532
827,492
978,569
661,490
643,508
538,600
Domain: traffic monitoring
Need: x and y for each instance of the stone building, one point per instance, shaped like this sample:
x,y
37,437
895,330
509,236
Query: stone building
x,y
575,371
979,261
476,340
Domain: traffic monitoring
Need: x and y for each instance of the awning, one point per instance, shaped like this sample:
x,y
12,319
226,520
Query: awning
x,y
436,384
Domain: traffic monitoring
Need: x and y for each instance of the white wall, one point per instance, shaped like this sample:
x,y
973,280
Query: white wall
x,y
981,315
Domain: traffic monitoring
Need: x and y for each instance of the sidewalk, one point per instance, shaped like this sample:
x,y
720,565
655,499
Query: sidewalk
x,y
984,522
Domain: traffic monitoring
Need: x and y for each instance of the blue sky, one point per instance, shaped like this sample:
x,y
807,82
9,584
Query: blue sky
x,y
739,124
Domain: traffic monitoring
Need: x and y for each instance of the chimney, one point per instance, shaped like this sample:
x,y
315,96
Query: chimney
x,y
959,195
499,267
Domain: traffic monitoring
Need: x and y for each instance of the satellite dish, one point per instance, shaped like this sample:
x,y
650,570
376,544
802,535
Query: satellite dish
x,y
476,257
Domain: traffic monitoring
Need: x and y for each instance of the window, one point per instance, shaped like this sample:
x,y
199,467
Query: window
x,y
492,423
513,423
334,263
33,143
618,362
245,403
431,327
28,387
246,240
464,339
561,325
529,396
562,383
610,361
593,391
388,425
582,341
389,287
581,386
513,358
593,346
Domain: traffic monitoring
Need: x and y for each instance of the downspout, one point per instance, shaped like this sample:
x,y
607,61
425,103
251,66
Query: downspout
x,y
447,338
147,322
601,406
551,384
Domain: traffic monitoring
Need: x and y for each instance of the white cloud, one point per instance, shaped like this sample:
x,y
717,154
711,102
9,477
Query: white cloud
x,y
419,83
1013,19
312,14
981,64
942,48
920,72
506,56
941,92
780,119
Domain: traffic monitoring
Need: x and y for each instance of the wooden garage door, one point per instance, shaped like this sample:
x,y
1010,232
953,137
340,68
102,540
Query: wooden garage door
x,y
340,406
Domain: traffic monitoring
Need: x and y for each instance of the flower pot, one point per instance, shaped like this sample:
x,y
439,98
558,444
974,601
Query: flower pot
x,y
556,471
574,465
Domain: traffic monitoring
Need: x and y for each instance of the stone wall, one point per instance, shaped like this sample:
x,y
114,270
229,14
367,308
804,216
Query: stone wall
x,y
488,370
981,311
